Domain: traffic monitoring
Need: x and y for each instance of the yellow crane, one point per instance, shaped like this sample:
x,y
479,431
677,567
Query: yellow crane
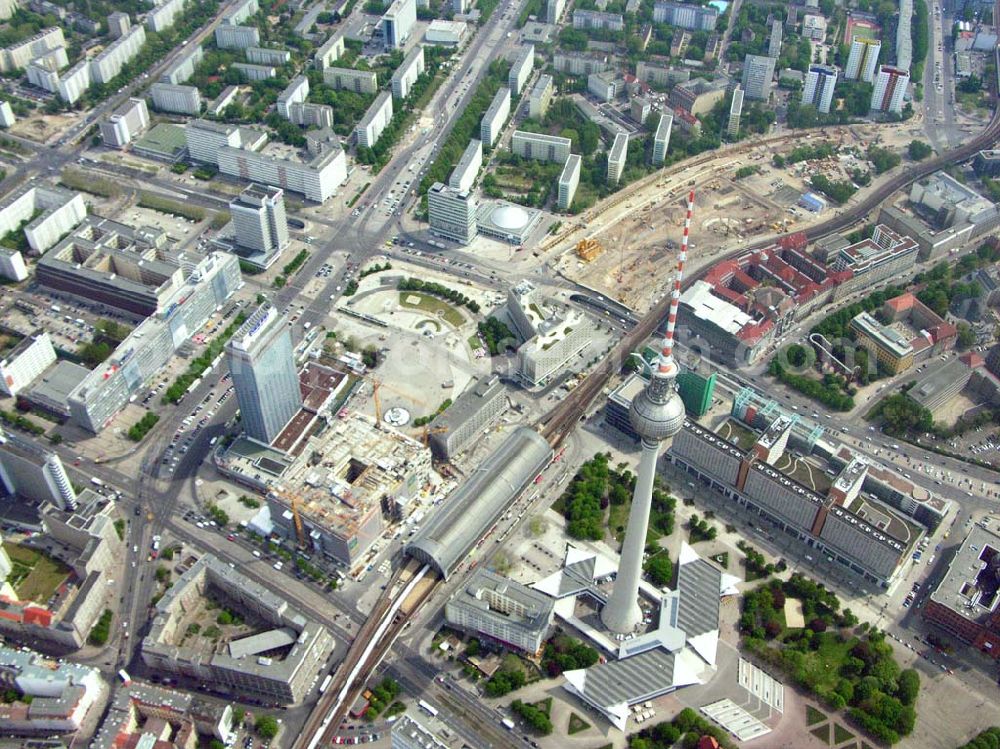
x,y
428,431
292,499
376,384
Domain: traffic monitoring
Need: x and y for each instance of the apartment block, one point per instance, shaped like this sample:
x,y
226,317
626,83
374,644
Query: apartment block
x,y
295,92
890,90
661,139
495,117
118,24
569,180
819,86
862,60
407,73
17,56
520,68
7,118
735,113
256,72
182,70
463,176
595,19
164,15
580,63
687,16
236,37
267,56
376,119
358,81
50,211
554,10
239,14
541,96
25,362
329,52
176,99
540,147
109,63
617,158
758,73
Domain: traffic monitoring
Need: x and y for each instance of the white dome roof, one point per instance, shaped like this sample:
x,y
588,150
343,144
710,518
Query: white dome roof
x,y
510,217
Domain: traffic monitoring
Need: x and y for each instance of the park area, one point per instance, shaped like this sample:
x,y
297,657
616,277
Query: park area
x,y
844,665
432,306
34,576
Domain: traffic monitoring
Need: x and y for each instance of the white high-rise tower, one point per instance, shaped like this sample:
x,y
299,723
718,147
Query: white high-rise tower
x,y
657,414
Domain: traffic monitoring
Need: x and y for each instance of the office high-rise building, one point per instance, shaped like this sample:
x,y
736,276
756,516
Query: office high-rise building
x,y
263,368
863,59
818,90
452,213
259,218
33,473
735,112
889,90
758,72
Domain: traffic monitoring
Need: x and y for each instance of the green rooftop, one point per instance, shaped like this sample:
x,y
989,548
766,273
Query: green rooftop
x,y
164,140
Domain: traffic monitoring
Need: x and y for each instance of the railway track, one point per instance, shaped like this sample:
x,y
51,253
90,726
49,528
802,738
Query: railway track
x,y
366,651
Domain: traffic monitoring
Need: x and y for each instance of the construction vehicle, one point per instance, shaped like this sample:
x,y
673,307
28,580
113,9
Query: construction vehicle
x,y
587,249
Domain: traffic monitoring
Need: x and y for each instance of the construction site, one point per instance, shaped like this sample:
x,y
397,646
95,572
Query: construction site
x,y
348,483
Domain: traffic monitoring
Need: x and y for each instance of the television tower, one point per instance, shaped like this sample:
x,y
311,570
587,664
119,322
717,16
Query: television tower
x,y
657,414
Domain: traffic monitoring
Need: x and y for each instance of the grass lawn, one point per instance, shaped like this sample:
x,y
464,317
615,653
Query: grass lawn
x,y
432,306
823,664
722,559
822,733
37,576
474,342
841,734
618,517
576,724
814,716
544,705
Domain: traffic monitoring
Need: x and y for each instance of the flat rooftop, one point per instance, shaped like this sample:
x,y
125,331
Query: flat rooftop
x,y
971,586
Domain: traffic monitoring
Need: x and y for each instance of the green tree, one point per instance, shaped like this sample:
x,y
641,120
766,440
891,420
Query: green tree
x,y
266,727
660,569
918,150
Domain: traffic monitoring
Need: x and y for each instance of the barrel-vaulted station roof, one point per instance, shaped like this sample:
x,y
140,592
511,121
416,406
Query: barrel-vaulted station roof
x,y
477,504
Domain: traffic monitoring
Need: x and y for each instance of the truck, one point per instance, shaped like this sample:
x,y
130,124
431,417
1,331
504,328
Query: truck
x,y
96,481
123,675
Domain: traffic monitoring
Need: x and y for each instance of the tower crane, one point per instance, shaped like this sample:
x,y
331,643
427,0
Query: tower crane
x,y
293,501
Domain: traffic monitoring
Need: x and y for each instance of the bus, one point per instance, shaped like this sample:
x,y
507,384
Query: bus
x,y
429,709
507,723
123,675
326,683
96,481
